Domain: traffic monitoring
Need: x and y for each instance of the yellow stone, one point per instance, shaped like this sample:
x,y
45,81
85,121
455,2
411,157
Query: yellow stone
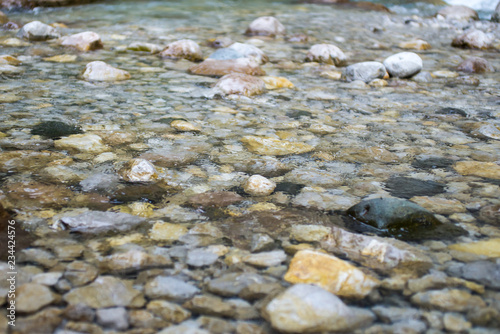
x,y
6,59
128,239
9,98
444,74
184,126
323,156
277,82
334,75
263,207
140,209
484,169
61,58
489,248
417,44
330,273
167,232
293,249
272,146
14,42
2,135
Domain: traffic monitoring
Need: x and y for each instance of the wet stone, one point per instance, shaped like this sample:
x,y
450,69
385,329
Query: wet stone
x,y
403,65
406,187
55,129
105,291
326,53
38,31
142,319
233,283
86,143
79,312
366,71
483,169
209,305
100,222
272,146
258,185
239,83
132,261
265,259
184,48
218,68
115,318
448,300
265,26
138,170
45,321
475,65
31,297
261,242
306,308
215,199
168,311
473,39
100,71
170,288
201,257
145,47
84,41
490,214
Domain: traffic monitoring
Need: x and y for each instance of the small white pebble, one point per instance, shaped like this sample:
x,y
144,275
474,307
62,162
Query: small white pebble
x,y
258,185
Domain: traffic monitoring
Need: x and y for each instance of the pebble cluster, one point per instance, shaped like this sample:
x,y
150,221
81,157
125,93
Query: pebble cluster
x,y
188,179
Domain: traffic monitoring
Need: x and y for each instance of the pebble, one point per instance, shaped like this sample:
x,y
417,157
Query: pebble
x,y
133,261
168,311
146,47
45,321
489,248
85,143
416,44
100,71
478,168
201,257
104,292
31,297
258,185
215,199
403,65
210,305
170,288
459,13
277,82
309,233
184,126
473,39
62,58
306,308
38,31
448,300
327,53
231,284
265,26
273,146
182,49
114,318
475,65
241,84
84,41
80,273
455,322
241,50
265,259
366,71
218,68
330,273
490,214
100,222
440,205
138,170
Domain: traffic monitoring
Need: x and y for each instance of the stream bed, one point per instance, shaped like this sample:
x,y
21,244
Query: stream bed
x,y
160,204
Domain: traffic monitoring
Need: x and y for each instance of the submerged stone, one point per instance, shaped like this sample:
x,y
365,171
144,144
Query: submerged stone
x,y
55,129
265,26
365,71
326,53
473,39
239,83
406,187
402,219
475,65
218,68
184,48
100,222
100,71
38,31
84,41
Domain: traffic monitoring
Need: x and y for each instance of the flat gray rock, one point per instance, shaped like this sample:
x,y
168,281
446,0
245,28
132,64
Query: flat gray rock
x,y
100,222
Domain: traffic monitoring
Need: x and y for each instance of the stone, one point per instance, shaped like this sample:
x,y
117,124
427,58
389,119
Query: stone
x,y
489,170
488,248
276,82
459,13
403,64
114,318
31,297
84,41
85,143
273,146
183,126
384,254
396,216
47,279
323,201
231,284
9,60
241,84
439,205
55,129
168,311
416,44
240,50
214,199
170,288
141,319
473,39
490,214
306,308
138,170
45,321
392,314
475,65
365,71
104,292
184,328
9,70
326,53
210,305
219,68
100,222
258,185
35,194
215,325
182,49
38,31
438,280
79,312
201,257
448,300
309,233
265,26
100,71
170,158
133,261
14,42
162,231
455,322
330,273
265,259
146,47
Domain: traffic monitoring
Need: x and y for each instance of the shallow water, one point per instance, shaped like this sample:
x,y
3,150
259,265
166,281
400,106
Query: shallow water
x,y
372,134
